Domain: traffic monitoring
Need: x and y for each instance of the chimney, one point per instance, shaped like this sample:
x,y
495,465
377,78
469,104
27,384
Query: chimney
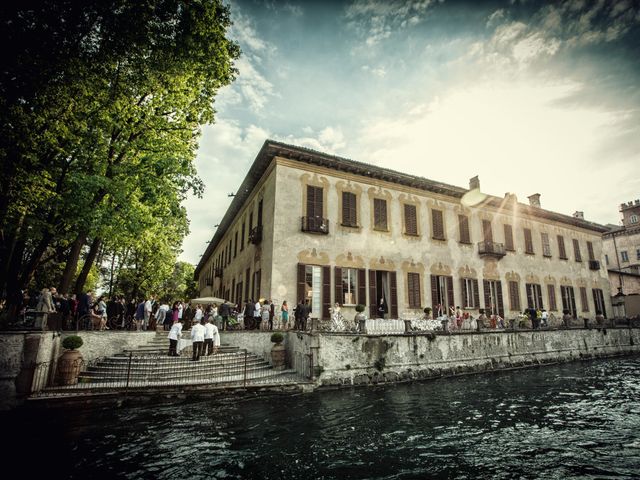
x,y
510,198
474,183
579,215
534,200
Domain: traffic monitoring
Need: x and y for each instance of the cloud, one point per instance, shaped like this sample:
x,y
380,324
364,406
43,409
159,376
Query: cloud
x,y
380,72
328,140
377,20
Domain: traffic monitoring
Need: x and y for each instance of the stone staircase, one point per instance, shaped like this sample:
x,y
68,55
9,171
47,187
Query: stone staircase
x,y
149,367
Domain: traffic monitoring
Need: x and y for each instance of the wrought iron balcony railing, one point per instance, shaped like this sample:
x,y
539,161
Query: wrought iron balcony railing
x,y
255,235
594,265
315,225
492,249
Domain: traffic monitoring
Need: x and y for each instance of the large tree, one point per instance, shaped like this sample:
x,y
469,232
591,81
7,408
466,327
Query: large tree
x,y
101,104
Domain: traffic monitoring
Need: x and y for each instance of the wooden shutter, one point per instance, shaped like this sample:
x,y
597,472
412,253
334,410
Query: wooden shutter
x,y
314,202
413,284
487,294
410,220
500,300
562,253
465,236
379,214
450,299
529,289
362,286
476,294
514,296
326,291
508,237
538,290
373,313
528,241
583,299
551,292
437,224
590,251
487,233
394,294
465,296
349,217
434,294
302,268
337,275
576,250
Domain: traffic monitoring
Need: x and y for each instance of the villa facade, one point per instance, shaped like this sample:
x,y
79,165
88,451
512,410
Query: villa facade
x,y
308,225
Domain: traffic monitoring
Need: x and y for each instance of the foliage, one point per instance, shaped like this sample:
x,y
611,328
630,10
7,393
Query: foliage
x,y
277,337
72,342
360,308
100,111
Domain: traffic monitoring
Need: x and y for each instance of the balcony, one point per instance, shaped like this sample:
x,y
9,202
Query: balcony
x,y
315,225
255,235
594,265
491,249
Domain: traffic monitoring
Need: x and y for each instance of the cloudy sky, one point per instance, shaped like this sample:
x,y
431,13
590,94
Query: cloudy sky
x,y
534,97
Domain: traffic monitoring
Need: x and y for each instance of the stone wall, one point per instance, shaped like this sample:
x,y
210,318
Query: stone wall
x,y
107,343
354,359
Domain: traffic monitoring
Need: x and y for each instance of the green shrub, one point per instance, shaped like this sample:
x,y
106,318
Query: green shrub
x,y
360,308
72,342
277,337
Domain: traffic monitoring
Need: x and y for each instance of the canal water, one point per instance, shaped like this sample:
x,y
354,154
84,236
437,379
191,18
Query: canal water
x,y
578,420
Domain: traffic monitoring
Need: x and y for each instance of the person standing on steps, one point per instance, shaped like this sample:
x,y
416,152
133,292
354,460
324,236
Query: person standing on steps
x,y
197,339
174,336
211,338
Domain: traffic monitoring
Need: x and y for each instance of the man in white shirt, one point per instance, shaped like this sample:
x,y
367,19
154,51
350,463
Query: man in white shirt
x,y
148,307
174,335
161,314
545,318
211,338
257,314
197,338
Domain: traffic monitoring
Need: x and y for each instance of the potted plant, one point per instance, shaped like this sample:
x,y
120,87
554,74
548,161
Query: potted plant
x,y
427,313
70,362
277,351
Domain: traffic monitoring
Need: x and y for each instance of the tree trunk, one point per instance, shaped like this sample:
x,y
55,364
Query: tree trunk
x,y
72,262
88,263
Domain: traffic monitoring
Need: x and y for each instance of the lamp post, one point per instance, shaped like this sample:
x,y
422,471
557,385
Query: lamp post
x,y
618,303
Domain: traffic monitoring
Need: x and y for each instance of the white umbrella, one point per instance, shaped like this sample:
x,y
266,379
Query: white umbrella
x,y
206,300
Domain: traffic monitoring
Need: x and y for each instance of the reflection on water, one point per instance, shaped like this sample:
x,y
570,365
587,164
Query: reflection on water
x,y
577,420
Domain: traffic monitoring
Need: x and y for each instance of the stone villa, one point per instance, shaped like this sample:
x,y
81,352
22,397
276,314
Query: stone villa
x,y
305,224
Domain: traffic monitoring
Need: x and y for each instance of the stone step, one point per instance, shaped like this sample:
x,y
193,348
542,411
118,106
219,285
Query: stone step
x,y
212,374
164,358
185,365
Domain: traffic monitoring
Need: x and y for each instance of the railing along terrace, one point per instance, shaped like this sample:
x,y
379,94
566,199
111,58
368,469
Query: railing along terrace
x,y
491,248
315,225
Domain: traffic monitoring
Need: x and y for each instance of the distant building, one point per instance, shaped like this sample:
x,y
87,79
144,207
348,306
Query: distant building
x,y
621,246
308,225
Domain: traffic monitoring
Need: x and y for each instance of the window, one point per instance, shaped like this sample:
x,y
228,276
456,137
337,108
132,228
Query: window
x,y
576,250
441,294
379,214
514,296
624,256
606,259
487,233
463,222
410,220
598,301
242,236
314,202
562,253
349,286
349,214
508,238
633,219
493,303
584,303
568,299
534,296
437,221
470,293
413,284
546,245
528,241
638,254
235,245
551,292
592,256
250,227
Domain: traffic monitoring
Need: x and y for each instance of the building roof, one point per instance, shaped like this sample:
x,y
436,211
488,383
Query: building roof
x,y
271,149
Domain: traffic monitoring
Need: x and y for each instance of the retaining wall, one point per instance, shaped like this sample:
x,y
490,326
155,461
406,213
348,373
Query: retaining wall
x,y
364,359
